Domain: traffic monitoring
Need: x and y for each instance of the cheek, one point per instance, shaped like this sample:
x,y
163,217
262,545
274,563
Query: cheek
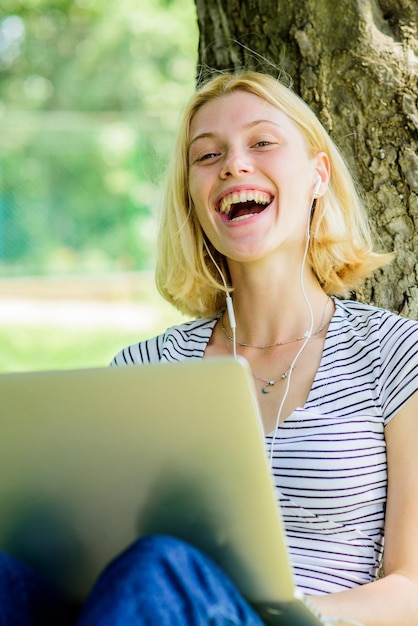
x,y
204,221
195,188
199,199
196,203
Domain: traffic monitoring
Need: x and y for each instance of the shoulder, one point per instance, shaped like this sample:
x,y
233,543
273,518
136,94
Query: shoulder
x,y
353,309
376,329
187,340
385,341
365,316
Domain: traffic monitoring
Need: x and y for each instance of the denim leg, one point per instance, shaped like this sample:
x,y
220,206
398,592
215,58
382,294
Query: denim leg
x,y
163,581
25,599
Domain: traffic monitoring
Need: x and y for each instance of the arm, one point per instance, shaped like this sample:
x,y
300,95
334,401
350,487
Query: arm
x,y
392,600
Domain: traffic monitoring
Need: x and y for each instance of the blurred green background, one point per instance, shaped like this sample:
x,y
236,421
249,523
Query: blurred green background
x,y
90,93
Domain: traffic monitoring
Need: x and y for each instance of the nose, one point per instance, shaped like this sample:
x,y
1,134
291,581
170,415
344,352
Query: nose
x,y
236,164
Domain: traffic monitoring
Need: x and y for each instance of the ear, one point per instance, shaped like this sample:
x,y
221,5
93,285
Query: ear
x,y
322,170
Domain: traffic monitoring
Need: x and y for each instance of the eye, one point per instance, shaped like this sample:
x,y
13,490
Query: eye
x,y
264,143
207,156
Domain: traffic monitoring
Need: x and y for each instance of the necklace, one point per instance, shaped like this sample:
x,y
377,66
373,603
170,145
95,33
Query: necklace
x,y
265,389
271,383
278,343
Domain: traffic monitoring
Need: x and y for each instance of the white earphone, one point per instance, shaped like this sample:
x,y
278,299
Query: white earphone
x,y
317,187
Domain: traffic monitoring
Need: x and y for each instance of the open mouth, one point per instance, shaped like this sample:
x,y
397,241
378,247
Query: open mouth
x,y
241,205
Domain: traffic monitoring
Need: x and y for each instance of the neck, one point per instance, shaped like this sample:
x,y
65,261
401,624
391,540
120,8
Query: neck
x,y
272,311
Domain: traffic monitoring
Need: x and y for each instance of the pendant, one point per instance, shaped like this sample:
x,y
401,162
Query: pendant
x,y
269,383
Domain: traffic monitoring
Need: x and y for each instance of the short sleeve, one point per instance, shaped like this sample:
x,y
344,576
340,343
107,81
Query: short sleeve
x,y
399,363
148,351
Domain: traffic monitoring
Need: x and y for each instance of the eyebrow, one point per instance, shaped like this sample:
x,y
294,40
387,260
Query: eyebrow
x,y
248,125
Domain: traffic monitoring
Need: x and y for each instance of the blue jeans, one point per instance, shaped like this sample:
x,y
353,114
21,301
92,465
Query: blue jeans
x,y
158,581
25,599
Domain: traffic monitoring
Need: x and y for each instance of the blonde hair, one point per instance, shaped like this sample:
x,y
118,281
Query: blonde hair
x,y
340,251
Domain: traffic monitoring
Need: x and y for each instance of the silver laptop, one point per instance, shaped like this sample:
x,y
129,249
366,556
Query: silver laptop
x,y
91,459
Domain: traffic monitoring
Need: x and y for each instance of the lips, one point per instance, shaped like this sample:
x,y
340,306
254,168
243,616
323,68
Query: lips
x,y
244,203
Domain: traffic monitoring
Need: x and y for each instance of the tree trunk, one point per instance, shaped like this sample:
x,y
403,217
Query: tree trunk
x,y
355,62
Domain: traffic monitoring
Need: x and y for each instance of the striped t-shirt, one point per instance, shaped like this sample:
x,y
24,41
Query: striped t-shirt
x,y
329,457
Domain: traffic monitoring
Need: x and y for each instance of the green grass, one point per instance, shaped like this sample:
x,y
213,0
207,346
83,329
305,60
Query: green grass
x,y
32,348
28,342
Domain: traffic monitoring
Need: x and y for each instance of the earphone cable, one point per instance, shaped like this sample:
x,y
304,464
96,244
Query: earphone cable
x,y
308,335
229,303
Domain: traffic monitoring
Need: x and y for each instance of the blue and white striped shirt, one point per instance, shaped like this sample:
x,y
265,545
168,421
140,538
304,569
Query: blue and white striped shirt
x,y
329,457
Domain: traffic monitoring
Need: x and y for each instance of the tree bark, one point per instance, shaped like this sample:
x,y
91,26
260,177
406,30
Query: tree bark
x,y
355,62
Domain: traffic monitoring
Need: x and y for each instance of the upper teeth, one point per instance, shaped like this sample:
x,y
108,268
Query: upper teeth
x,y
243,196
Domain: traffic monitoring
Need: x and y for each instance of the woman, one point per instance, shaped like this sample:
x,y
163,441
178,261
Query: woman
x,y
262,230
259,197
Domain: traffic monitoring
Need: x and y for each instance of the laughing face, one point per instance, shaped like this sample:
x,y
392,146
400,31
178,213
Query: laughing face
x,y
251,177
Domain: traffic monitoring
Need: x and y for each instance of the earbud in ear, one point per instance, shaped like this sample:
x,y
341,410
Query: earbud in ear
x,y
317,187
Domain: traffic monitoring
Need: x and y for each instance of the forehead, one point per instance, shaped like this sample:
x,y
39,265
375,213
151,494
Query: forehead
x,y
239,109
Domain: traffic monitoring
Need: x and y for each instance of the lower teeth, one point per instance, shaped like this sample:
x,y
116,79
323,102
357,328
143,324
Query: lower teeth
x,y
243,217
